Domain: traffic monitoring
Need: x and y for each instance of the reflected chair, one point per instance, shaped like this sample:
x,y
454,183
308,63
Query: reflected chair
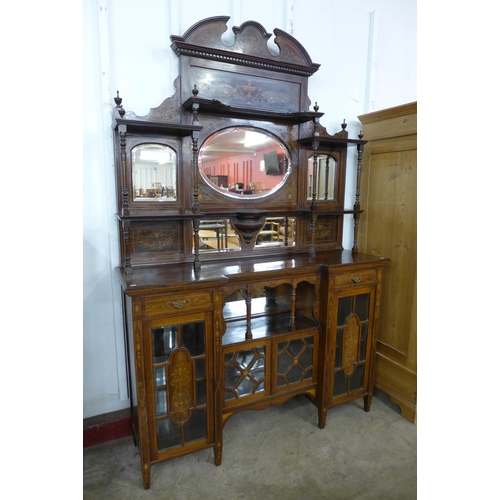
x,y
257,187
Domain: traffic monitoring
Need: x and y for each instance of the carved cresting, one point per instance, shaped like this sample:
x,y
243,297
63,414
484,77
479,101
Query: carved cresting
x,y
181,386
204,39
169,108
350,344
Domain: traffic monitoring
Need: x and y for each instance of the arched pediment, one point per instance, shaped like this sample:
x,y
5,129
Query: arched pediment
x,y
249,47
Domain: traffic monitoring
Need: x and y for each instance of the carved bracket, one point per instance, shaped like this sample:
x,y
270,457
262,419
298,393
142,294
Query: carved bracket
x,y
248,225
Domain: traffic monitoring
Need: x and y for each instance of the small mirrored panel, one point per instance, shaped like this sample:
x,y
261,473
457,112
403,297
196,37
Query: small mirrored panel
x,y
244,162
218,235
277,232
154,171
326,176
165,341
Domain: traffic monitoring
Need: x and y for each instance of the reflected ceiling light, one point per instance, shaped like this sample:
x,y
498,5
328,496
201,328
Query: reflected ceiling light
x,y
156,156
254,138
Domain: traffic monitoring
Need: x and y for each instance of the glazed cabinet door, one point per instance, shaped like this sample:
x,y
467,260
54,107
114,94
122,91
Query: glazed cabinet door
x,y
174,376
353,299
351,344
180,385
246,373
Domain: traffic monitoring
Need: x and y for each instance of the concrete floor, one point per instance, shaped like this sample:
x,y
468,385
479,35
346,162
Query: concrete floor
x,y
277,453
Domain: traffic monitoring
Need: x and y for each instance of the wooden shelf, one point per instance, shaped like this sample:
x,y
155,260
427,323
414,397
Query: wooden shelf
x,y
266,326
149,126
212,106
331,141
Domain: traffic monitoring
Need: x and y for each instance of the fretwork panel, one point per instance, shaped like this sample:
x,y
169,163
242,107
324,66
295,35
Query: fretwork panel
x,y
245,373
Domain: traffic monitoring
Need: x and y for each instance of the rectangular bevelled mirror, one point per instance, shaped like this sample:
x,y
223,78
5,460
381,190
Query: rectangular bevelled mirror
x,y
154,173
326,178
277,231
218,235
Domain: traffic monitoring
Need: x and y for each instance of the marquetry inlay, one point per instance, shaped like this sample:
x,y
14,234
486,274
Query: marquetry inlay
x,y
148,240
350,347
355,278
138,342
324,231
181,381
168,110
163,305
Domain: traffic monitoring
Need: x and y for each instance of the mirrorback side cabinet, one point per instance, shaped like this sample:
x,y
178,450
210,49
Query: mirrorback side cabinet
x,y
237,290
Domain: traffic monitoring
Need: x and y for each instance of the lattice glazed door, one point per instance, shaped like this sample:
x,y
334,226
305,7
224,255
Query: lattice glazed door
x,y
246,374
295,362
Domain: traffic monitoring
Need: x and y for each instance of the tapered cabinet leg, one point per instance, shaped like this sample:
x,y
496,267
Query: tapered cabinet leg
x,y
218,453
146,476
322,417
368,402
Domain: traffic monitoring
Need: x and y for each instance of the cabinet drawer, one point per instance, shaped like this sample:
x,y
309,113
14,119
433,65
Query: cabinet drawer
x,y
174,303
354,278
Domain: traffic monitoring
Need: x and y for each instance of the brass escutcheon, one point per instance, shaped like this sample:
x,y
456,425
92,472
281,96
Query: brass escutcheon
x,y
178,304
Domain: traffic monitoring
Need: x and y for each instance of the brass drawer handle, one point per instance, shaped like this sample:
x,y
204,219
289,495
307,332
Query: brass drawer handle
x,y
357,279
179,304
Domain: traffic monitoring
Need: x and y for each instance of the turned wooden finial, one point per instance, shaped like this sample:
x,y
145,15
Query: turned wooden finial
x,y
195,90
344,125
316,107
118,102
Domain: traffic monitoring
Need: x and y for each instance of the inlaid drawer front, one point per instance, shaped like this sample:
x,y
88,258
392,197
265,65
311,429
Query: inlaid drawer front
x,y
174,304
355,278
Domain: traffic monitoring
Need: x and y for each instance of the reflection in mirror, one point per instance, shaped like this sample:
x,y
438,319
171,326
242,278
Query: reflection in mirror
x,y
235,304
244,162
218,236
277,231
154,168
326,188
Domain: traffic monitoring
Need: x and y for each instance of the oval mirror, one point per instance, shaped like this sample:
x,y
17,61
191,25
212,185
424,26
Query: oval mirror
x,y
154,169
326,177
244,162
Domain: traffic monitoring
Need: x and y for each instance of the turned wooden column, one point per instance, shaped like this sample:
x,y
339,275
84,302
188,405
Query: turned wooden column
x,y
357,205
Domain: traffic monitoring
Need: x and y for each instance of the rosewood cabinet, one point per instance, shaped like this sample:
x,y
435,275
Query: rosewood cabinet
x,y
237,290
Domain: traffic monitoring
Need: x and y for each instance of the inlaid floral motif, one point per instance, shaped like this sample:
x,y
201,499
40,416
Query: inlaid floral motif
x,y
181,382
350,346
147,240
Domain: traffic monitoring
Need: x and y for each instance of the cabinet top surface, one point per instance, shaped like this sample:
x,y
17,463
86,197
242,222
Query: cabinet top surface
x,y
165,278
